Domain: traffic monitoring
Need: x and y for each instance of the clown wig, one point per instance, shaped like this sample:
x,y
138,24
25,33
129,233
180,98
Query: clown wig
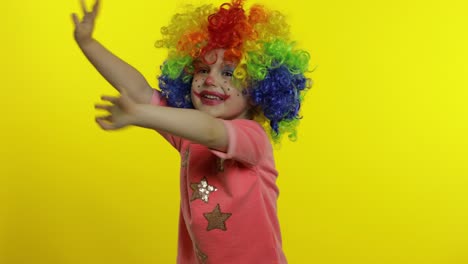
x,y
269,68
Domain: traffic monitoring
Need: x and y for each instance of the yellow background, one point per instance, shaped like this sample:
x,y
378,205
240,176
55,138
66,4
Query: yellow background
x,y
379,174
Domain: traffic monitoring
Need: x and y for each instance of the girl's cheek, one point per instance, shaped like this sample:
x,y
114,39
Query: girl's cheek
x,y
197,81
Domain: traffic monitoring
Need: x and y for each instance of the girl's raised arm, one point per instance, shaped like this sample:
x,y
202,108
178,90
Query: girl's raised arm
x,y
191,124
116,71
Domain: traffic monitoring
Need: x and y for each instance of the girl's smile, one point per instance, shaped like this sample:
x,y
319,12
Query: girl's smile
x,y
211,98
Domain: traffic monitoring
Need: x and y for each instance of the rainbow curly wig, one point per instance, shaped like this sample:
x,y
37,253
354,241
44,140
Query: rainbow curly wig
x,y
269,68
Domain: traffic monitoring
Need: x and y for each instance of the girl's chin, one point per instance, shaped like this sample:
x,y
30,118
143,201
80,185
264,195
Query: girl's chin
x,y
208,110
207,105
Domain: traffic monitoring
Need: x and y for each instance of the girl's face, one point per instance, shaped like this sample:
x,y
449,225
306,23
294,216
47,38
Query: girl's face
x,y
213,91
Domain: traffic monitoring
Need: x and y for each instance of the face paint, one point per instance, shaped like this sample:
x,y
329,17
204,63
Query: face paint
x,y
213,90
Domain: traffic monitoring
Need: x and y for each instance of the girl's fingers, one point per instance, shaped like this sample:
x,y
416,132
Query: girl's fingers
x,y
103,124
96,7
104,107
76,21
107,118
109,98
83,7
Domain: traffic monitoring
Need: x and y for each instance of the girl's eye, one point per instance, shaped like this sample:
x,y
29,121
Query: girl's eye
x,y
228,73
202,70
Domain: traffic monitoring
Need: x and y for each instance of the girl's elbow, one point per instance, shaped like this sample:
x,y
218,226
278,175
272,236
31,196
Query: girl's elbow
x,y
217,137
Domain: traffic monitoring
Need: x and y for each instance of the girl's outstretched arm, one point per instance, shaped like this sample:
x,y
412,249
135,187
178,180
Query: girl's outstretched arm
x,y
191,124
117,72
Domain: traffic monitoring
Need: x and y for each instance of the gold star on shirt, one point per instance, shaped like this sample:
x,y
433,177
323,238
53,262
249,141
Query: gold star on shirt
x,y
185,158
216,219
202,190
201,256
220,164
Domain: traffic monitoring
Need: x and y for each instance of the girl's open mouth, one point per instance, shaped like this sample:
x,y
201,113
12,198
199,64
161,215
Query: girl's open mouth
x,y
211,98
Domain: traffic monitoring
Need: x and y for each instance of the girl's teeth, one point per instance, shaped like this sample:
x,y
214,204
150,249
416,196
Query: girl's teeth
x,y
211,97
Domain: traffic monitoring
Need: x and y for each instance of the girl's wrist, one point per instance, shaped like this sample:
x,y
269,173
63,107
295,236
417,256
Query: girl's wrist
x,y
84,42
137,113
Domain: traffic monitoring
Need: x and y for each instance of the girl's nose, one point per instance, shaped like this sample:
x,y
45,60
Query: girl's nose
x,y
209,81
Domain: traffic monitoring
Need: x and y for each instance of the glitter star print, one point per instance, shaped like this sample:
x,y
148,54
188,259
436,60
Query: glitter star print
x,y
202,190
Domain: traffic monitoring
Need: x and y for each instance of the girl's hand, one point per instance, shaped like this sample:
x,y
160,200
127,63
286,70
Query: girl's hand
x,y
84,28
122,112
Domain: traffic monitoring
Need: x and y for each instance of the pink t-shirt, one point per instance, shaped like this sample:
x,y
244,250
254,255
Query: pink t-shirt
x,y
228,200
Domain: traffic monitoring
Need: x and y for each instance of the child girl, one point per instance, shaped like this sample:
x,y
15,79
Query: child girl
x,y
225,68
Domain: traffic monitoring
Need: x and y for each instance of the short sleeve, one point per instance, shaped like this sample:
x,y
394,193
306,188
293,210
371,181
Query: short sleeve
x,y
157,99
247,141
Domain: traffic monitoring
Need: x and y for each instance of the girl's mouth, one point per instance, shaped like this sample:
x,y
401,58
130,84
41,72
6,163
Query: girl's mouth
x,y
211,98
